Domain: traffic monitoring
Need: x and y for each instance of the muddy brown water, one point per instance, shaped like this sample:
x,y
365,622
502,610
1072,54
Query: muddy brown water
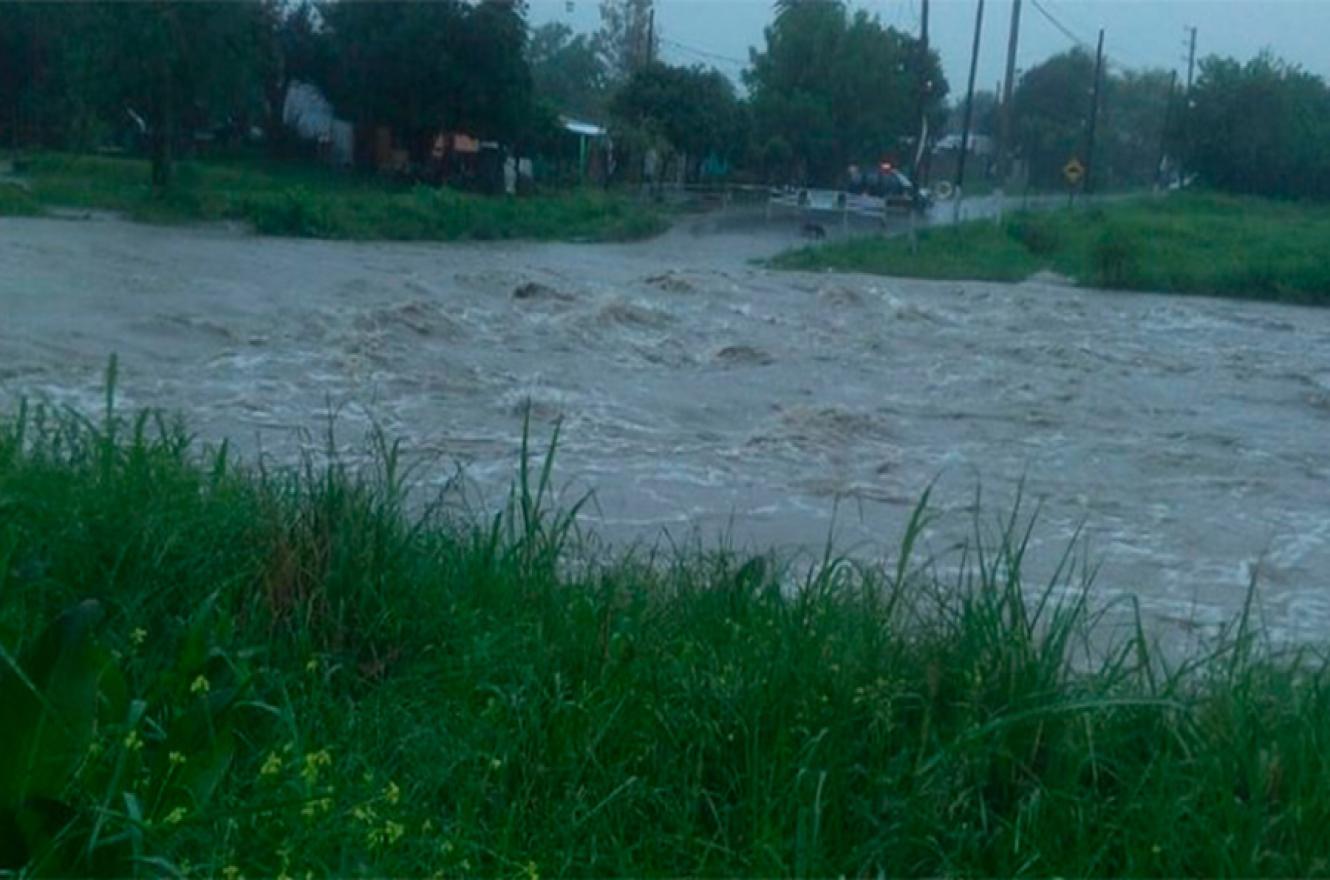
x,y
1188,438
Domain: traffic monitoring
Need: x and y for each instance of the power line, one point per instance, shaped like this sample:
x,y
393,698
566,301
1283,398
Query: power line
x,y
1071,35
1065,31
704,53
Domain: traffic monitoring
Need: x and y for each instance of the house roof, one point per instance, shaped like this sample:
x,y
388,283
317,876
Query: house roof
x,y
577,126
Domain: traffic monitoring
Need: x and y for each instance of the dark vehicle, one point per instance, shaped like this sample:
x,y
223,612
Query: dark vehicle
x,y
886,182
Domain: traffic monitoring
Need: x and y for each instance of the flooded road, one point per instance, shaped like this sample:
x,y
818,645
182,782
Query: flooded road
x,y
1190,437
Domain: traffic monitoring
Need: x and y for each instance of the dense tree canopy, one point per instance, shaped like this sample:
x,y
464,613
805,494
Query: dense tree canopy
x,y
1260,127
1050,107
626,41
180,67
693,109
76,72
1136,107
832,88
422,66
567,70
36,96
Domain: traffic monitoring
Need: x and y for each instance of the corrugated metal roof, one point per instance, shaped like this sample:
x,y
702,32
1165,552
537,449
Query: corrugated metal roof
x,y
576,126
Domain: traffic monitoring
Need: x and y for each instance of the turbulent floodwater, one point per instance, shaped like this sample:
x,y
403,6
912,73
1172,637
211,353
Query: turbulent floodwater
x,y
701,394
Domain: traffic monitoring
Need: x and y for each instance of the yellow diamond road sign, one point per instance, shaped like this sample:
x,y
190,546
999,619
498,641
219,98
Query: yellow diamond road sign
x,y
1073,171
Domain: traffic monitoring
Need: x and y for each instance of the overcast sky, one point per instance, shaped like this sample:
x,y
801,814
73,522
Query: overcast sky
x,y
1138,33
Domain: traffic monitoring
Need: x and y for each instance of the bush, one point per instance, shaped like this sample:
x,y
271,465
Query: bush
x,y
295,211
1038,233
285,198
1115,256
16,201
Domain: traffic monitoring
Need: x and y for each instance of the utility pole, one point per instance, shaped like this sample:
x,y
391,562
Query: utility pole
x,y
1094,114
1186,103
919,172
969,106
1191,58
1008,87
1163,133
651,36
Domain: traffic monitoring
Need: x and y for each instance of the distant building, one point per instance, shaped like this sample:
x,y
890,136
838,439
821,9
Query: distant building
x,y
595,150
980,144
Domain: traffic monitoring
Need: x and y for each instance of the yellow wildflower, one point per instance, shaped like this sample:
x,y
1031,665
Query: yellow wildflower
x,y
176,816
231,872
392,794
138,636
393,831
496,763
200,685
531,871
272,765
176,758
133,741
316,806
313,763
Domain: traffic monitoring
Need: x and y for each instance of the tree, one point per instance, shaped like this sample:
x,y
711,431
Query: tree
x,y
627,40
693,109
984,118
427,65
44,48
831,89
178,65
567,70
497,91
1050,107
1259,128
295,48
1132,126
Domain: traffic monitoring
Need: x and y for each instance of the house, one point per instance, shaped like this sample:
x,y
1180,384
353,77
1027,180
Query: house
x,y
595,150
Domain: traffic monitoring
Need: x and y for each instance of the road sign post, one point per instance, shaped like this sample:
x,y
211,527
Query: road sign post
x,y
1073,172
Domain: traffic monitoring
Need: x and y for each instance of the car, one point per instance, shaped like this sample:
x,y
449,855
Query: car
x,y
885,181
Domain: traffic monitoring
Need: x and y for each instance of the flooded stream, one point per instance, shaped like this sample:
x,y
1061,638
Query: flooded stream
x,y
701,394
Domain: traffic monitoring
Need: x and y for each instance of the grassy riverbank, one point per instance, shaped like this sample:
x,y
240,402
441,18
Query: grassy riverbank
x,y
309,201
1189,243
211,669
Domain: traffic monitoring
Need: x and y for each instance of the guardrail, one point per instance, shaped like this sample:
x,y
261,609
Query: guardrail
x,y
829,201
804,200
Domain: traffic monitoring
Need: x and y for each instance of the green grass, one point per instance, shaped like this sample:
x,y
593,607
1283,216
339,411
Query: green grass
x,y
210,668
16,201
296,199
1192,243
941,254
